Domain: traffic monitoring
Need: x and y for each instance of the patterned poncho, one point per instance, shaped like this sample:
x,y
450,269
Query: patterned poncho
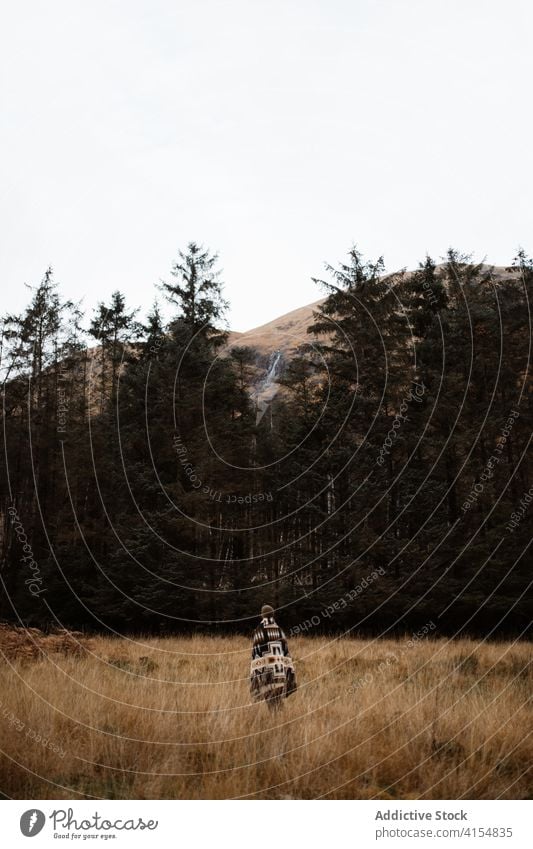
x,y
272,675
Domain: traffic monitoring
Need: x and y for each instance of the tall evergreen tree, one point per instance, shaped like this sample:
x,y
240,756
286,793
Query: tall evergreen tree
x,y
196,292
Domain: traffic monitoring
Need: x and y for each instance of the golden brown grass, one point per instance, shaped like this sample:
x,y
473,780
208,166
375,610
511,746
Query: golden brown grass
x,y
171,718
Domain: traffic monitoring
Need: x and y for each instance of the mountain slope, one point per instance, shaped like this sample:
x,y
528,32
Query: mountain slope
x,y
284,334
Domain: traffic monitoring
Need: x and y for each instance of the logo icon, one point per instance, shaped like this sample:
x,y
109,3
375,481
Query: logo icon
x,y
32,822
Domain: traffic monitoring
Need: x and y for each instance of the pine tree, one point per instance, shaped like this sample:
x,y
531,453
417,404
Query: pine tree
x,y
113,326
196,293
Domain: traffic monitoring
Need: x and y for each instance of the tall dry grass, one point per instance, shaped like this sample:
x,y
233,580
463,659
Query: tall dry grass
x,y
171,718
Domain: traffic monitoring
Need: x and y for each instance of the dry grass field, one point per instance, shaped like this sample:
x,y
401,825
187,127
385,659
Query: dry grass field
x,y
171,718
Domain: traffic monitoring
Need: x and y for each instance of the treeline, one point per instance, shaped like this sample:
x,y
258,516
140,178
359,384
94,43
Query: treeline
x,y
142,491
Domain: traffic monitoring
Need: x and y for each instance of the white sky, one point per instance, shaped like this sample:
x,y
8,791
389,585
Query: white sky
x,y
277,133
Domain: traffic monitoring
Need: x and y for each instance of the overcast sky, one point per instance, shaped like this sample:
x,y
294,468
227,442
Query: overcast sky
x,y
277,133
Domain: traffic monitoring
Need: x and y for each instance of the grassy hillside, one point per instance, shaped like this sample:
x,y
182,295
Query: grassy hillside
x,y
171,718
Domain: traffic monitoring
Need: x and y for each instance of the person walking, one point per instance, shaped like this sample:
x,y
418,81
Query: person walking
x,y
272,675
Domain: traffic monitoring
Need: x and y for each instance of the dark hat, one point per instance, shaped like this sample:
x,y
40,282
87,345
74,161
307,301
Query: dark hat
x,y
267,610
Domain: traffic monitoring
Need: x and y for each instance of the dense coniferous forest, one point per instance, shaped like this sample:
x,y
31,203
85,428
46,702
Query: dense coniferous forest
x,y
385,487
